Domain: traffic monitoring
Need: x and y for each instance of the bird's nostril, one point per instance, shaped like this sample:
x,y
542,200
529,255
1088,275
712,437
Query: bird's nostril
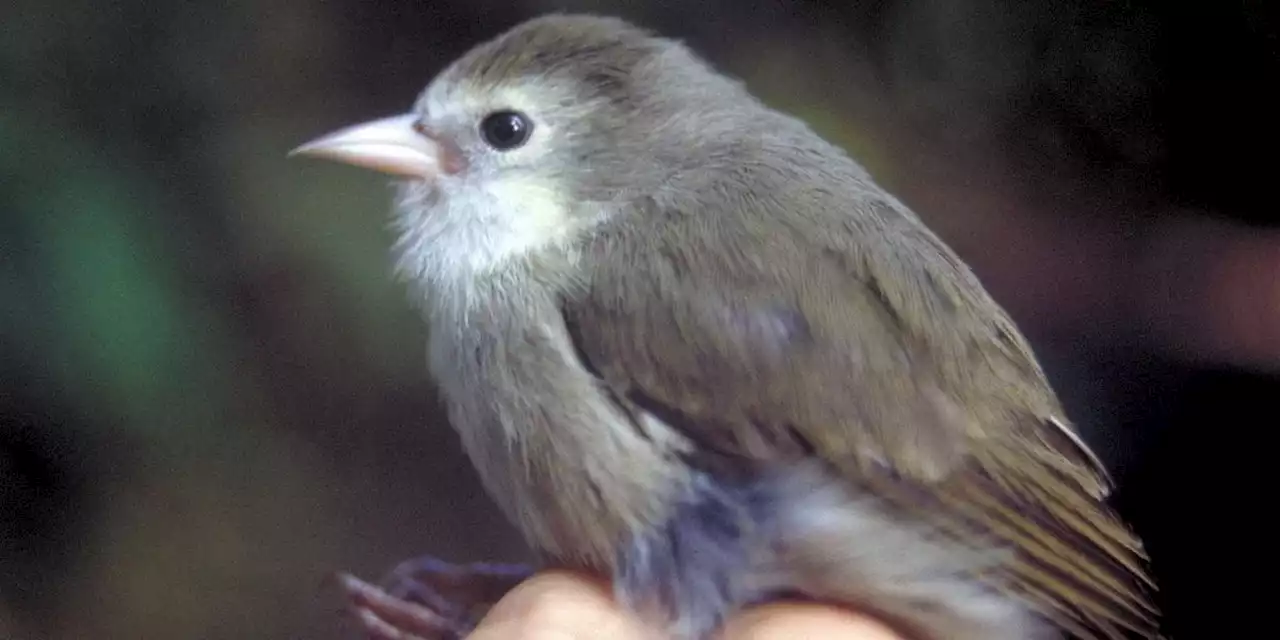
x,y
451,158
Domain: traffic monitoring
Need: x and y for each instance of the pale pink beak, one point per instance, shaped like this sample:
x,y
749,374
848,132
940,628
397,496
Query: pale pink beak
x,y
390,145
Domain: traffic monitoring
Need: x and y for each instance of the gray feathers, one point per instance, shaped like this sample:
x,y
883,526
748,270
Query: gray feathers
x,y
909,382
563,462
730,365
796,531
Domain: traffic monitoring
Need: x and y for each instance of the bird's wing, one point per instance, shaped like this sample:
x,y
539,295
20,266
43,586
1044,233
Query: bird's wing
x,y
796,337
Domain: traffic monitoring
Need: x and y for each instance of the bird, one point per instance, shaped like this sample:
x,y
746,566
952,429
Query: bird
x,y
692,346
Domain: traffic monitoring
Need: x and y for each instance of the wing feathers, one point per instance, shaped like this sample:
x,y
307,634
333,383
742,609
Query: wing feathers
x,y
917,388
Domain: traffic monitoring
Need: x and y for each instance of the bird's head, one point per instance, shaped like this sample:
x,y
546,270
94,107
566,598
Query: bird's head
x,y
531,138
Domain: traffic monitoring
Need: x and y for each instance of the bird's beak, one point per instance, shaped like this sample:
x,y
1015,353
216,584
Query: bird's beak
x,y
391,145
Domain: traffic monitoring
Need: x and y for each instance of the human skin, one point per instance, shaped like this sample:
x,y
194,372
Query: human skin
x,y
559,605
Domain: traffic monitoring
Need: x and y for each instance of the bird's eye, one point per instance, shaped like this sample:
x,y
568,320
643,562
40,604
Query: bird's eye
x,y
506,130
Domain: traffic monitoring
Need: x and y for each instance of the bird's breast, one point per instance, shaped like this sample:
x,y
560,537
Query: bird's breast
x,y
564,463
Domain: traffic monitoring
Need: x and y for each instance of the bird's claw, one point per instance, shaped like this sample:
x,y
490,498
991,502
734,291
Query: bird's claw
x,y
428,599
383,616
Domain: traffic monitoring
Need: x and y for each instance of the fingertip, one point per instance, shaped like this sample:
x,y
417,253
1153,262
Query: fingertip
x,y
559,605
564,605
786,621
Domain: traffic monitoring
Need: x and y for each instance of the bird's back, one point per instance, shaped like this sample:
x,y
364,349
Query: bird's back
x,y
807,301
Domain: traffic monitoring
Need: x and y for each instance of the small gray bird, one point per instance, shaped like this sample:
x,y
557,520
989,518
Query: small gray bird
x,y
692,346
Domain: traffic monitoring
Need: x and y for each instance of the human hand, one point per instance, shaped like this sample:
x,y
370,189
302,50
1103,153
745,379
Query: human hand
x,y
566,606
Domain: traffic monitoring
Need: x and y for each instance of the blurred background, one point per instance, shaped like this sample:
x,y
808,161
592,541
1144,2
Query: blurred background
x,y
213,394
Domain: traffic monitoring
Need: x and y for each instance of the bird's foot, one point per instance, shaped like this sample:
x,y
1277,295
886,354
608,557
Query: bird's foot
x,y
428,599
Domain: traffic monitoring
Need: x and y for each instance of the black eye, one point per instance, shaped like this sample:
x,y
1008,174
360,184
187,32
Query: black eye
x,y
505,130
